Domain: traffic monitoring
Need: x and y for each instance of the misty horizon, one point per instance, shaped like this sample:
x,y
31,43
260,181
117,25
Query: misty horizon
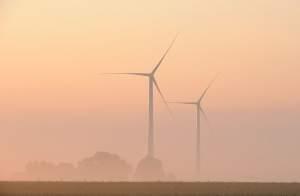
x,y
57,107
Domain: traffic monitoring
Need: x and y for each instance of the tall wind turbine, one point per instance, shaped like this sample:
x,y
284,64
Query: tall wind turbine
x,y
152,83
199,110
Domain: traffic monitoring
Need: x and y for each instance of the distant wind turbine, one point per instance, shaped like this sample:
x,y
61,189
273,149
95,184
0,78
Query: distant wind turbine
x,y
152,83
199,111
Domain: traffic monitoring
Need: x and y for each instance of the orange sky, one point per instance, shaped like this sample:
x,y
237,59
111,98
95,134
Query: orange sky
x,y
53,51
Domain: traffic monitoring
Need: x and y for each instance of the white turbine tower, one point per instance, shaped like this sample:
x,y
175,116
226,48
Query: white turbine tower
x,y
199,110
152,83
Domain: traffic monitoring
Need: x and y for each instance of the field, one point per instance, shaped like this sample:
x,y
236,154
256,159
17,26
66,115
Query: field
x,y
147,189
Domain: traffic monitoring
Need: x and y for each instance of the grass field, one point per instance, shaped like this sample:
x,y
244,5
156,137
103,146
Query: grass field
x,y
156,188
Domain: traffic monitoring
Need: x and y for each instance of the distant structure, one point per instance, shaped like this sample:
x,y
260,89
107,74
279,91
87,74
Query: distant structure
x,y
150,164
199,110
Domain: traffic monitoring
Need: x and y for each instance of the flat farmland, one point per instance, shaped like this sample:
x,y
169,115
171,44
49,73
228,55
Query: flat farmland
x,y
146,188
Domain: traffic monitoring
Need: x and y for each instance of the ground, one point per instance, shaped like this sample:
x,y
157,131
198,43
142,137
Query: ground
x,y
147,188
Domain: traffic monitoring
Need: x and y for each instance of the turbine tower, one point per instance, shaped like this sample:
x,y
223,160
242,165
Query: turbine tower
x,y
199,110
152,84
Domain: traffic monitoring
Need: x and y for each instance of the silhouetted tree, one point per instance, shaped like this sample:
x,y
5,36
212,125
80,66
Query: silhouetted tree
x,y
150,169
104,166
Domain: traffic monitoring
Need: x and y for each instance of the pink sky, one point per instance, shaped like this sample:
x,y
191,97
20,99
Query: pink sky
x,y
56,106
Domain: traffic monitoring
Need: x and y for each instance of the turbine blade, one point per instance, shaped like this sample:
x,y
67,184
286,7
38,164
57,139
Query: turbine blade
x,y
185,103
136,74
162,96
205,117
164,56
208,87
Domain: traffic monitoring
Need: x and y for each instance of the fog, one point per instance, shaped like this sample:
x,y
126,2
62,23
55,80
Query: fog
x,y
58,110
261,146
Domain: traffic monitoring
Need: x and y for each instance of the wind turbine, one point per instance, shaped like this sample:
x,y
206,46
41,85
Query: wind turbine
x,y
152,83
199,110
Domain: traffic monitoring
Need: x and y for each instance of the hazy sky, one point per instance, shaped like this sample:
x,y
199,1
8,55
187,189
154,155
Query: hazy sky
x,y
56,106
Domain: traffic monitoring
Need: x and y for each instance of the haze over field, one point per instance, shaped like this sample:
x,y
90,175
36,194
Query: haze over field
x,y
55,105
